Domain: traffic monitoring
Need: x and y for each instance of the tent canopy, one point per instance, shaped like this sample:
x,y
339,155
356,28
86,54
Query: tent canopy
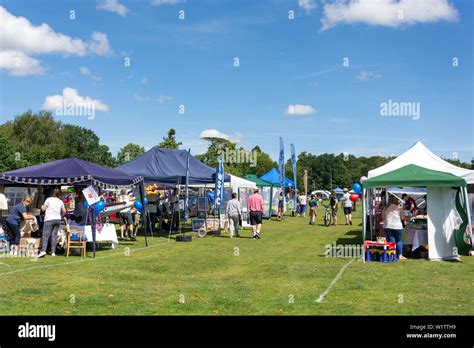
x,y
236,182
168,167
421,156
259,182
408,190
415,176
338,190
273,177
69,171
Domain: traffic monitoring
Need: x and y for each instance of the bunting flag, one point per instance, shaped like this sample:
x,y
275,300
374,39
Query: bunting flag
x,y
219,191
281,162
293,164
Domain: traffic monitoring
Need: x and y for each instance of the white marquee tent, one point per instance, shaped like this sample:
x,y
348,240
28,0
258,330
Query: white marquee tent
x,y
421,156
442,216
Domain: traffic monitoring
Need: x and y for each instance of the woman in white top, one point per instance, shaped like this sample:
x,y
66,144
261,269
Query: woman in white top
x,y
55,211
392,216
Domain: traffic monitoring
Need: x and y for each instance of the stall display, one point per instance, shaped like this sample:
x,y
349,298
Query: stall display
x,y
380,250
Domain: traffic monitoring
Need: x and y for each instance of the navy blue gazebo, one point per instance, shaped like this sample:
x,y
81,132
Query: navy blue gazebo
x,y
168,167
74,171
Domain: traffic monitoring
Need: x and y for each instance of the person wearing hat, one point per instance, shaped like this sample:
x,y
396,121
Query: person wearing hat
x,y
346,204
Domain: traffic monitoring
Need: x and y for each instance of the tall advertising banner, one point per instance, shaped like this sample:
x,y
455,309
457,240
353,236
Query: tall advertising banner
x,y
186,200
219,191
293,164
281,163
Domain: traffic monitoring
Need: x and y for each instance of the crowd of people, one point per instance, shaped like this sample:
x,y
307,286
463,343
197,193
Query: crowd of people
x,y
164,212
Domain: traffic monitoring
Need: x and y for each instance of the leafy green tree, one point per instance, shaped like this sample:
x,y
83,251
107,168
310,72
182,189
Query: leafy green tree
x,y
8,156
169,142
129,152
83,143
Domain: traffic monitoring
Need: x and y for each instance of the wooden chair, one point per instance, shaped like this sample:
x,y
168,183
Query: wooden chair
x,y
76,243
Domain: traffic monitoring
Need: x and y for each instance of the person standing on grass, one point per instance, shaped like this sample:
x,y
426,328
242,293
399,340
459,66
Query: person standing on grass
x,y
152,210
233,213
126,223
313,205
54,212
280,206
392,216
303,205
255,208
333,204
346,204
18,213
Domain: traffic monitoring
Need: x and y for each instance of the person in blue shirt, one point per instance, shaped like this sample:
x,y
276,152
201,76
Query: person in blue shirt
x,y
17,213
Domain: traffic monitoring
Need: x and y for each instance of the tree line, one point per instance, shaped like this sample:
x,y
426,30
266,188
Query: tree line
x,y
34,138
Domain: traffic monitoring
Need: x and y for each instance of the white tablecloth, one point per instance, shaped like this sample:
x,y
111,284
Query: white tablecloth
x,y
416,237
107,233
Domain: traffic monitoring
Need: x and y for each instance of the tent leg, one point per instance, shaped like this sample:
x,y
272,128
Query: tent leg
x,y
364,218
142,199
468,210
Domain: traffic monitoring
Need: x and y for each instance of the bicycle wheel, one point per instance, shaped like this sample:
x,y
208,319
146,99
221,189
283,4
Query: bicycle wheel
x,y
327,219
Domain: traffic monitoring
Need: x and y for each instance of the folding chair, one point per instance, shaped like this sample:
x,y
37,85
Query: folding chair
x,y
76,240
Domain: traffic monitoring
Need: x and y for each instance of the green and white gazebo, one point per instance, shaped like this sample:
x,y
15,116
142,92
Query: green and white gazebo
x,y
449,215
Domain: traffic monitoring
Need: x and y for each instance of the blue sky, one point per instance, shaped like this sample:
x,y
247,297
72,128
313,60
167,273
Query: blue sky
x,y
283,62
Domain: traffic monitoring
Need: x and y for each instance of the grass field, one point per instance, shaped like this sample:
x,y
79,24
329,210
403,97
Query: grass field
x,y
281,274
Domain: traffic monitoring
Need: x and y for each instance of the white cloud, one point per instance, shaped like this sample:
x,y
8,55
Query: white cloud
x,y
214,133
70,97
367,75
84,70
390,13
19,35
307,5
299,109
166,2
99,44
113,6
164,98
18,64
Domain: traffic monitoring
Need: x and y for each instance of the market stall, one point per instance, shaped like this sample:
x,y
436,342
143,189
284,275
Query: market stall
x,y
78,173
170,168
445,233
271,194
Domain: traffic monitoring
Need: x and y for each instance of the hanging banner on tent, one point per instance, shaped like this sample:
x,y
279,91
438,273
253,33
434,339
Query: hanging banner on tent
x,y
281,163
91,195
219,191
293,164
186,197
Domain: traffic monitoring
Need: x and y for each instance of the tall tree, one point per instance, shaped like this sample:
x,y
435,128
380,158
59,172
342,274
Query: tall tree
x,y
169,142
129,152
83,143
8,156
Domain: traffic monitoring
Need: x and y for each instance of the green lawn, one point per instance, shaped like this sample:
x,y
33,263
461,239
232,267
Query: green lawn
x,y
281,274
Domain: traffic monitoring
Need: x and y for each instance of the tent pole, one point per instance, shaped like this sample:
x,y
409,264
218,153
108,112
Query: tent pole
x,y
364,218
93,230
271,199
142,199
468,210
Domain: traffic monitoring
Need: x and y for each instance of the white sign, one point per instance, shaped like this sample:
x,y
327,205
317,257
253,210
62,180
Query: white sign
x,y
91,196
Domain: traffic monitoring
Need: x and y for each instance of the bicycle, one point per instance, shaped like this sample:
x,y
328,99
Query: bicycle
x,y
327,215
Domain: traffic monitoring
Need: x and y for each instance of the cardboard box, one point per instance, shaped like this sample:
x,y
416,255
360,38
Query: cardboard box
x,y
29,247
